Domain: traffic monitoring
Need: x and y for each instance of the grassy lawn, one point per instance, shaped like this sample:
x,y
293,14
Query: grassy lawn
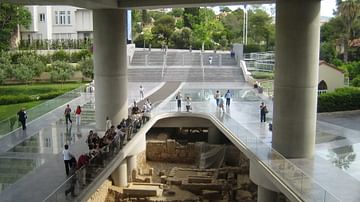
x,y
7,110
10,110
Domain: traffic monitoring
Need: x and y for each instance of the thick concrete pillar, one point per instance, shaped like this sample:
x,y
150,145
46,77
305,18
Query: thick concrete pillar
x,y
266,195
119,175
110,65
131,165
214,135
297,61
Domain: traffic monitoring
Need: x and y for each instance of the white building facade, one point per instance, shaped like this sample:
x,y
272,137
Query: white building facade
x,y
58,23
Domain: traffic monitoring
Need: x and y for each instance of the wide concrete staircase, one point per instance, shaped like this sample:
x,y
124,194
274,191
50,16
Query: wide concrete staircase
x,y
157,66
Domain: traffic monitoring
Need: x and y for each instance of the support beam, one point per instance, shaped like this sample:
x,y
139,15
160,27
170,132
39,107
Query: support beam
x,y
266,195
131,165
119,175
297,61
110,66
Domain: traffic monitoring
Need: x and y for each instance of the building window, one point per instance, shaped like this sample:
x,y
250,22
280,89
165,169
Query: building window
x,y
56,18
42,17
62,17
68,18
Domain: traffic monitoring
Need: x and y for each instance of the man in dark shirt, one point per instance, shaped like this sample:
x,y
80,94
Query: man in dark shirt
x,y
22,118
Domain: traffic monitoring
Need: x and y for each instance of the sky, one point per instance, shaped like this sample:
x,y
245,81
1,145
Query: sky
x,y
327,7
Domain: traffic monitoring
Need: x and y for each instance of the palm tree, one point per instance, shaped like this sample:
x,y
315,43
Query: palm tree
x,y
349,11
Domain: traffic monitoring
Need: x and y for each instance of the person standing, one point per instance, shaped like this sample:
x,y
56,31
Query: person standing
x,y
178,100
108,124
22,117
77,115
228,96
67,114
210,59
141,89
188,103
67,158
263,112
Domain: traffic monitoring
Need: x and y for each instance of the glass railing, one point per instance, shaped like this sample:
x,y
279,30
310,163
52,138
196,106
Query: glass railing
x,y
12,123
86,175
306,187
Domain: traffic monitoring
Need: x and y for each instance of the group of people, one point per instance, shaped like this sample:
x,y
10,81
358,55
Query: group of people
x,y
178,98
220,101
75,169
67,114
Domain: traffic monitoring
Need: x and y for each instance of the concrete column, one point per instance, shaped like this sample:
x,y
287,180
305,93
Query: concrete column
x,y
131,165
297,64
119,175
220,59
266,195
214,135
110,65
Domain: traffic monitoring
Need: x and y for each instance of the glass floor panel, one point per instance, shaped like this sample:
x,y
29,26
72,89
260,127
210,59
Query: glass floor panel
x,y
12,169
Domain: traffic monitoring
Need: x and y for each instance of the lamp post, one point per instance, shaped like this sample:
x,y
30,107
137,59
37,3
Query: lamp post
x,y
143,34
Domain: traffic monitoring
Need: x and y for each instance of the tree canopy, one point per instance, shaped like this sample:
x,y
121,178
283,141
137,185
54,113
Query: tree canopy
x,y
11,15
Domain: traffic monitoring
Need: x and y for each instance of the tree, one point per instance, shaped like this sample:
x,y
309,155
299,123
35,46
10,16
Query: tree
x,y
61,71
86,67
147,35
6,68
32,62
146,19
164,27
207,28
233,23
11,16
176,12
182,38
225,9
191,16
260,27
327,51
349,10
23,73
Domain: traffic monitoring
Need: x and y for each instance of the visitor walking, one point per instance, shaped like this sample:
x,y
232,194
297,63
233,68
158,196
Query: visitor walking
x,y
67,158
22,117
78,115
263,112
210,59
67,114
227,97
72,181
217,97
221,104
178,100
188,103
141,89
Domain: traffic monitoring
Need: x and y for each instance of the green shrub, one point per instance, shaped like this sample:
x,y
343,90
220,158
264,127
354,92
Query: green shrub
x,y
263,75
343,99
80,55
61,55
356,82
14,99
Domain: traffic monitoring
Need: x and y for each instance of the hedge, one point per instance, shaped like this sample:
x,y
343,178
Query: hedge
x,y
343,99
15,99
